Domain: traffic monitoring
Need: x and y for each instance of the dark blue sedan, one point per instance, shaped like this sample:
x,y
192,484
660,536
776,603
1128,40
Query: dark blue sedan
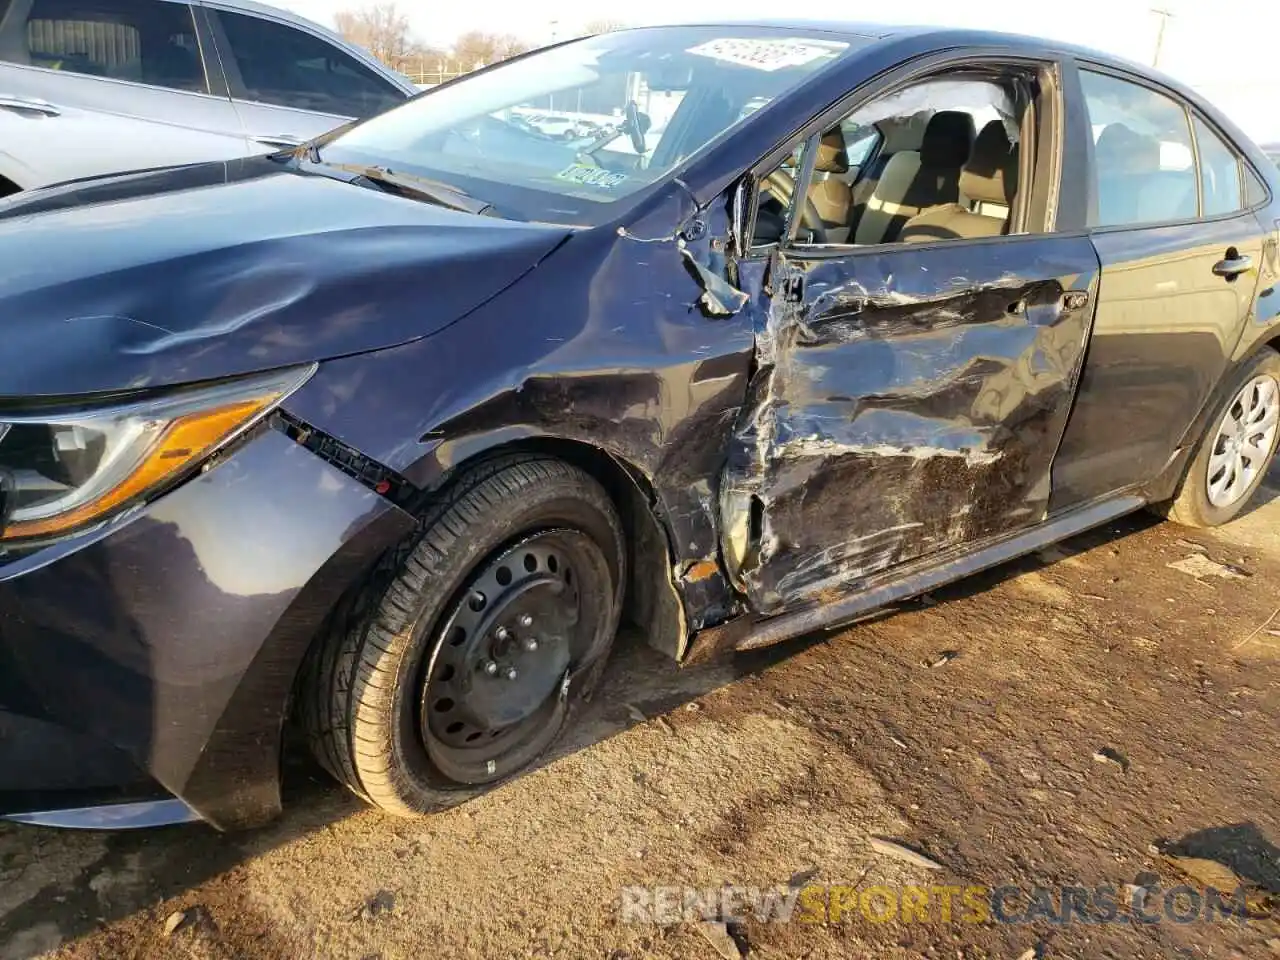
x,y
387,433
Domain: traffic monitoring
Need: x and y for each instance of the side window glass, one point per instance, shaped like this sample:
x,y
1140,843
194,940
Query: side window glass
x,y
776,192
286,67
1254,192
1219,172
1144,166
145,41
945,167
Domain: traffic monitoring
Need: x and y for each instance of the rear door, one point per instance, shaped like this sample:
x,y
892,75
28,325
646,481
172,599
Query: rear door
x,y
289,84
141,59
911,395
1179,252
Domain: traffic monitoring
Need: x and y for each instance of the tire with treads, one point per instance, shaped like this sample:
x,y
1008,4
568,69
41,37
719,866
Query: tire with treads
x,y
368,689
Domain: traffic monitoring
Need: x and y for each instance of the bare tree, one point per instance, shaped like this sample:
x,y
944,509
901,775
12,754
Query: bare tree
x,y
479,49
383,30
603,25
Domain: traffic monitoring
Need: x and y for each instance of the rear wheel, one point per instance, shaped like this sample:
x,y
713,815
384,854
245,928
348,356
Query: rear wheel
x,y
465,659
1235,451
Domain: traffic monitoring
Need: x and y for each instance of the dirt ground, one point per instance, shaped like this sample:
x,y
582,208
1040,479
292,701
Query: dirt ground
x,y
781,765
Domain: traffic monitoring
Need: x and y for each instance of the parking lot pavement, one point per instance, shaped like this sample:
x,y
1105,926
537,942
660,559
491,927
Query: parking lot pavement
x,y
1089,716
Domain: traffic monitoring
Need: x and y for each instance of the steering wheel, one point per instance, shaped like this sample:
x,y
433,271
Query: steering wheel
x,y
783,186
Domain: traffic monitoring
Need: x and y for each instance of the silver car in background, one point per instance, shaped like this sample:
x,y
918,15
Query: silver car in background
x,y
100,86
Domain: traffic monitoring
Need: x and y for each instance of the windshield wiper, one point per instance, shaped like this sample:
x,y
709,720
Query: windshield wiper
x,y
419,188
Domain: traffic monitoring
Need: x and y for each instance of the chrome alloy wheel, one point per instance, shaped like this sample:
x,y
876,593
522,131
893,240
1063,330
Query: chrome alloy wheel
x,y
1243,441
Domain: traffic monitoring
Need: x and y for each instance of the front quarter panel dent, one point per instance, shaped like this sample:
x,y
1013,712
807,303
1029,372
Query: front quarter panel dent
x,y
614,343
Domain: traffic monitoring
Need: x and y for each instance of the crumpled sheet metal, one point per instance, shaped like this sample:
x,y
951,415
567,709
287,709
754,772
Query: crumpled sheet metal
x,y
719,297
888,421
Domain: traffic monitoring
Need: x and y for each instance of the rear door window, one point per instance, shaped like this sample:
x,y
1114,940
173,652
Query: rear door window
x,y
1254,192
287,67
1144,163
1219,172
142,41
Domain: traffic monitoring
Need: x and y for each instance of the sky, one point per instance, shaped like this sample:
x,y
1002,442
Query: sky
x,y
1231,60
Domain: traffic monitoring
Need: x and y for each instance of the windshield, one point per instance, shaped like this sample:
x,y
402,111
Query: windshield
x,y
564,133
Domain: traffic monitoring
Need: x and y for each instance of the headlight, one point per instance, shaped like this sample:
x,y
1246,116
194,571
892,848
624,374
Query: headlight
x,y
72,467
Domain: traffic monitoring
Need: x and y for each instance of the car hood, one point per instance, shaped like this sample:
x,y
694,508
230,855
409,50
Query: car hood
x,y
218,269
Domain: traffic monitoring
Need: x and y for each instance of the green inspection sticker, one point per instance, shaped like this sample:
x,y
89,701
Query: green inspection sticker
x,y
590,176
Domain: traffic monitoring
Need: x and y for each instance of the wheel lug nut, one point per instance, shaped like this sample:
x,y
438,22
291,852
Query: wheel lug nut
x,y
502,633
491,668
531,644
511,673
526,620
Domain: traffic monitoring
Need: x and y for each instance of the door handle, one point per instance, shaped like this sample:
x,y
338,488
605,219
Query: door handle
x,y
28,105
1233,265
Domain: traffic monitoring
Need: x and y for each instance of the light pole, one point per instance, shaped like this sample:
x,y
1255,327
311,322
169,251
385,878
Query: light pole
x,y
1164,16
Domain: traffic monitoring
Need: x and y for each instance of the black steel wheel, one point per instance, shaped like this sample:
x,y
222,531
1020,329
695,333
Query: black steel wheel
x,y
506,646
465,658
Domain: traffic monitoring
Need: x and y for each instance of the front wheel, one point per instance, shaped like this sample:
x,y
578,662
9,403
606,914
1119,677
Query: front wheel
x,y
462,663
1236,450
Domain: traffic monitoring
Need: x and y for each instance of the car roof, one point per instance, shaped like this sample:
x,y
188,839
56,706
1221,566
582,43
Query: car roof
x,y
846,28
278,13
865,30
945,36
288,16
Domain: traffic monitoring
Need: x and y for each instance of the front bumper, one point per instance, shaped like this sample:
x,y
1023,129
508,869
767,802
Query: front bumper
x,y
156,657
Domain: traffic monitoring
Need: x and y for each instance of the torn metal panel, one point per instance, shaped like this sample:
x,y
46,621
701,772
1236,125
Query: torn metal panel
x,y
612,348
904,402
878,593
719,297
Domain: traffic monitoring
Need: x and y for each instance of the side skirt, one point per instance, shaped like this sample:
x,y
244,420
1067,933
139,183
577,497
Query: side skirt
x,y
752,631
115,816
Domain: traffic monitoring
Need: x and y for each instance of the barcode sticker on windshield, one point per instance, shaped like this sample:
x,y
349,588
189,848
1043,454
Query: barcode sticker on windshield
x,y
590,176
766,54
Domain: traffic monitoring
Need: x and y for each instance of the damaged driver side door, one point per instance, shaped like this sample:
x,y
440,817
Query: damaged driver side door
x,y
910,392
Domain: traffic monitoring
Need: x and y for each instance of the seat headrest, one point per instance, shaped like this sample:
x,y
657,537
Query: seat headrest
x,y
1122,150
833,157
903,133
947,140
991,175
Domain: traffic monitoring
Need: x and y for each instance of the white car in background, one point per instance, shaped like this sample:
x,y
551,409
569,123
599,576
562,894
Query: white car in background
x,y
101,86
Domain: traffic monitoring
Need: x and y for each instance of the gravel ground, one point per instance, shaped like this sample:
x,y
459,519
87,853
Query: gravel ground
x,y
1091,715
